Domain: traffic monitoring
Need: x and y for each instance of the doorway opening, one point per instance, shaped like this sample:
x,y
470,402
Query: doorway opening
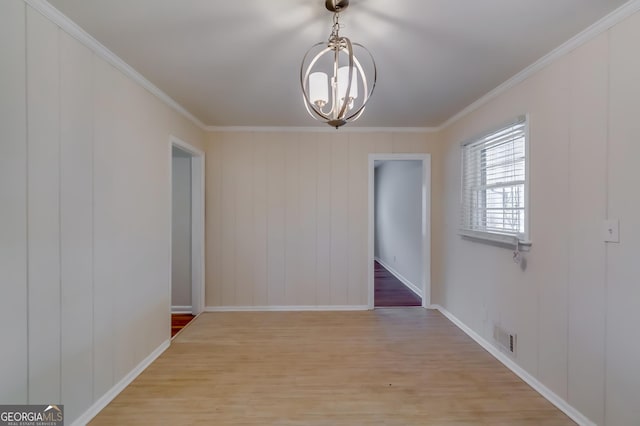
x,y
399,230
187,234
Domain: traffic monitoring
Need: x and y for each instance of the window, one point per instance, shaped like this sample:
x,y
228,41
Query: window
x,y
494,184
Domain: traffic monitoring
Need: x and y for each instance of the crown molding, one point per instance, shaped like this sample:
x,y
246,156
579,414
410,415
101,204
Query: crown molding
x,y
75,31
565,48
325,129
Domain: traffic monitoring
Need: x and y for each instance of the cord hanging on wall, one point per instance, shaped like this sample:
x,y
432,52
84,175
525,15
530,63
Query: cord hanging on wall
x,y
517,256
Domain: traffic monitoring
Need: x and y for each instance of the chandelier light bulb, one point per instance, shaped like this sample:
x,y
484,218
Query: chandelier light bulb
x,y
343,78
319,88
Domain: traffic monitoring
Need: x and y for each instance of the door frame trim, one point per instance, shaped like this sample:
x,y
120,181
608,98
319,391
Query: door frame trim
x,y
426,223
197,222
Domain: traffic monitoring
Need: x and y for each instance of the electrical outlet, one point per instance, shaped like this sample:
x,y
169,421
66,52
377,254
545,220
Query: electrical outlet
x,y
611,231
394,258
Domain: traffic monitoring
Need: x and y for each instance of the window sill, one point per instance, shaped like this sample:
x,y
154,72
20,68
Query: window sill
x,y
496,239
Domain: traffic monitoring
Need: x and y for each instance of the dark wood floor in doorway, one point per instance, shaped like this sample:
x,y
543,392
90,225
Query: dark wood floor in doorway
x,y
179,321
389,291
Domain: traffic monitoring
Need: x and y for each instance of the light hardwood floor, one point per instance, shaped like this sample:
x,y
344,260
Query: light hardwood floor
x,y
396,366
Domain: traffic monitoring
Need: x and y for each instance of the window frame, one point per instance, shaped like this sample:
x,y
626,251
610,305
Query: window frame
x,y
484,235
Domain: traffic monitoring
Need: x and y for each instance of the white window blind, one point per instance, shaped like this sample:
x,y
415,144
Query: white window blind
x,y
494,183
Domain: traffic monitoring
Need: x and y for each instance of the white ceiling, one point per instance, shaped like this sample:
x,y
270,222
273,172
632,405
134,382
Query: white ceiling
x,y
237,63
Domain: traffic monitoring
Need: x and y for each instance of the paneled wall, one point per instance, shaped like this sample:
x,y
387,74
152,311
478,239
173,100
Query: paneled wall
x,y
574,306
287,215
85,224
622,294
13,204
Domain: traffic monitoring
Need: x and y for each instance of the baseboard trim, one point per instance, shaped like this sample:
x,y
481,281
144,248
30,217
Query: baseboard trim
x,y
181,309
105,399
414,288
285,308
547,393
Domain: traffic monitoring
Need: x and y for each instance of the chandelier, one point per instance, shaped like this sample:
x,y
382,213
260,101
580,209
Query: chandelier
x,y
334,83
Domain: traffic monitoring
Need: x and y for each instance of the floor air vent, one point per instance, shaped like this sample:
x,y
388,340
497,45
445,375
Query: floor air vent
x,y
505,339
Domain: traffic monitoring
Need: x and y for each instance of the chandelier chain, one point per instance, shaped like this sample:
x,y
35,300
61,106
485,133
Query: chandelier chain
x,y
336,27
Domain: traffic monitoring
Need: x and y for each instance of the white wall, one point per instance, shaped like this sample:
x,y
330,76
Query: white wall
x,y
13,204
623,202
398,218
181,230
85,199
575,306
287,215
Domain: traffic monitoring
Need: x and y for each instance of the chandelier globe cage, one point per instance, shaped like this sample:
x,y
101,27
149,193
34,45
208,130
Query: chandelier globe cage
x,y
337,76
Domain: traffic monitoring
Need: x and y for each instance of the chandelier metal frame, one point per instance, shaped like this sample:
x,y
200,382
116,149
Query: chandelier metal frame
x,y
341,110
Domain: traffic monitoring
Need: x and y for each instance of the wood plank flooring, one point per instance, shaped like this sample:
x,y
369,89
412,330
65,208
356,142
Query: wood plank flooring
x,y
401,366
389,291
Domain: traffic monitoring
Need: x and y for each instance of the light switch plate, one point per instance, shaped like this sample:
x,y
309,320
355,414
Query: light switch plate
x,y
611,231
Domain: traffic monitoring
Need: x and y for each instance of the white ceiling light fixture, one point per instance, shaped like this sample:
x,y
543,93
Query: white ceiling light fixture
x,y
334,81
